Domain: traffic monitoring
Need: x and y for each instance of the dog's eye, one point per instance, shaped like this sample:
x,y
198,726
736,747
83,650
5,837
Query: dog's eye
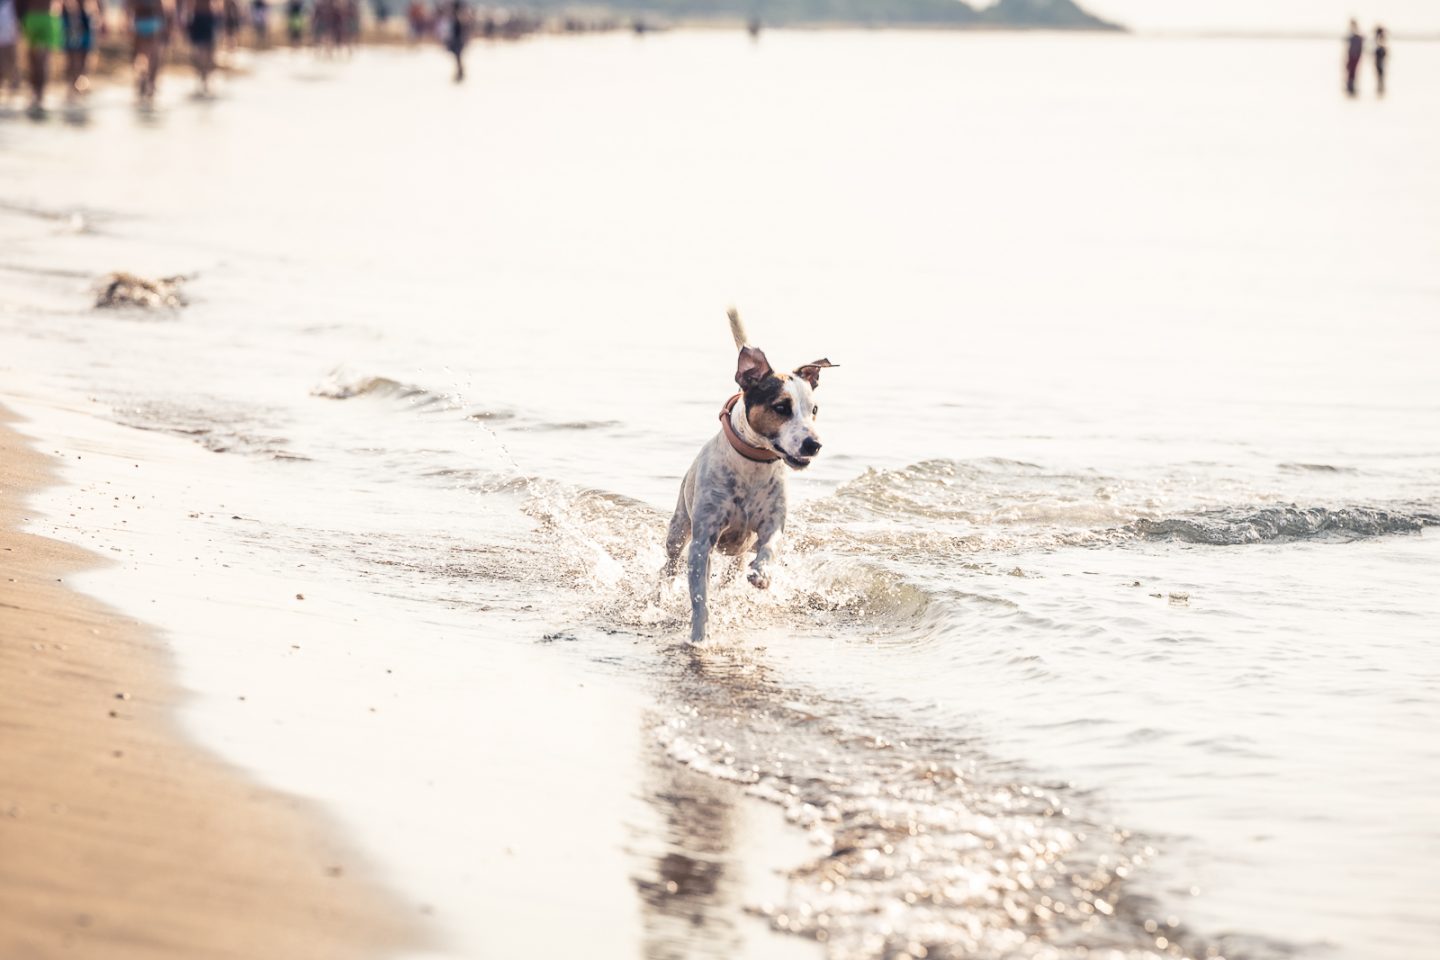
x,y
815,411
783,408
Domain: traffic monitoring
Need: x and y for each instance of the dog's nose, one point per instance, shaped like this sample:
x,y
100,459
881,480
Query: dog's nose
x,y
810,447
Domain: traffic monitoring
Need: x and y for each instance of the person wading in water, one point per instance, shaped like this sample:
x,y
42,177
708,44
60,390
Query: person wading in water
x,y
40,26
81,20
9,51
457,34
149,26
1382,53
1354,52
201,27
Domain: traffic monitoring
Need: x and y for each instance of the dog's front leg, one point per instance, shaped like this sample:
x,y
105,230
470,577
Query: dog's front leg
x,y
765,535
701,544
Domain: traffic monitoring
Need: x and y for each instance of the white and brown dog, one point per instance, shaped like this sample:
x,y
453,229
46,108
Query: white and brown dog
x,y
733,496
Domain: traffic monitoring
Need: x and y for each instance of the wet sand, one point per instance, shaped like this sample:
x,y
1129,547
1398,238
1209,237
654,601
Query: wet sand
x,y
121,837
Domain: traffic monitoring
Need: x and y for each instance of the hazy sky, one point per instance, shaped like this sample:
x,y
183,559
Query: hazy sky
x,y
1332,15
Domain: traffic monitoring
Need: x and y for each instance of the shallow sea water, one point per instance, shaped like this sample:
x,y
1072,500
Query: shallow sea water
x,y
1108,615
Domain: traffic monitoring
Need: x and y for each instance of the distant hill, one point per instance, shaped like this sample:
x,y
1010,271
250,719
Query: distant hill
x,y
1044,13
1005,14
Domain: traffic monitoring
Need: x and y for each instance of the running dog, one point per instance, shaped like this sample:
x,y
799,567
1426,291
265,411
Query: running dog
x,y
733,496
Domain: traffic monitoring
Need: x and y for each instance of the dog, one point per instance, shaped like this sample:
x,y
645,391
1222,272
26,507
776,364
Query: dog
x,y
733,496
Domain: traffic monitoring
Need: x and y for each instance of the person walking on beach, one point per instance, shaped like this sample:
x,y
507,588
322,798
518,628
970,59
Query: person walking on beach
x,y
1382,53
9,51
80,21
230,22
40,26
260,22
201,25
351,22
149,28
457,34
325,25
1354,53
295,21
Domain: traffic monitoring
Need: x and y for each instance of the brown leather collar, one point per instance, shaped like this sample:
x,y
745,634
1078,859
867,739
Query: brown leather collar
x,y
758,454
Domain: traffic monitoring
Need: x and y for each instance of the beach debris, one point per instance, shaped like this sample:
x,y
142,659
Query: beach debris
x,y
299,596
1179,598
121,289
122,696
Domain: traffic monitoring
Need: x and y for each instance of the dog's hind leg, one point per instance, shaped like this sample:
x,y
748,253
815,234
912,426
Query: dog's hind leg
x,y
699,580
675,539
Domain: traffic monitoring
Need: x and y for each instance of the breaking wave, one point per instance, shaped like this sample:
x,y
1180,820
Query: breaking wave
x,y
975,506
217,427
342,386
1231,527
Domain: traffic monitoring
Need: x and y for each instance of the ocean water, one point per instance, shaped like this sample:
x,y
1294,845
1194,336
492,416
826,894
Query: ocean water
x,y
1108,614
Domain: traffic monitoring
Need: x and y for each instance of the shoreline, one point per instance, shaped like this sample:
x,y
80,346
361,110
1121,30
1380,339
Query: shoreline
x,y
120,833
465,835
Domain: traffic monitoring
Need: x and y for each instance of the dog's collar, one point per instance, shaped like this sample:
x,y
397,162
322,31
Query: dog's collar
x,y
758,454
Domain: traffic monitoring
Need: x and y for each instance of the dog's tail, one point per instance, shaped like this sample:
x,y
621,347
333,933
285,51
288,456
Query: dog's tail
x,y
737,329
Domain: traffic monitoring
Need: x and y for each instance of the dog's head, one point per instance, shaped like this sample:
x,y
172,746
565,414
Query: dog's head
x,y
780,407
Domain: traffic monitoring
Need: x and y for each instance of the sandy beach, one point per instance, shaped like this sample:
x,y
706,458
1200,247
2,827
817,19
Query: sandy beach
x,y
122,837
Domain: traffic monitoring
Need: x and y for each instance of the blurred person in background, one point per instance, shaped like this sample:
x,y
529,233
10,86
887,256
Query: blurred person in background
x,y
456,26
201,25
230,19
80,20
415,15
1354,53
150,24
9,51
1382,53
260,22
295,21
350,24
40,26
325,25
319,18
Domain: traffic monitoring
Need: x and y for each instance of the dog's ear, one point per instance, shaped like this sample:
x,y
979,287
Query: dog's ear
x,y
752,367
811,371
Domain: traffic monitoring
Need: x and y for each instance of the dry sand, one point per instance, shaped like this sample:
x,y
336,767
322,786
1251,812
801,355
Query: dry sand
x,y
120,838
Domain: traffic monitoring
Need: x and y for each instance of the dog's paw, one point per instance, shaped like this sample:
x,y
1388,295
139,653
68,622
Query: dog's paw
x,y
758,580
